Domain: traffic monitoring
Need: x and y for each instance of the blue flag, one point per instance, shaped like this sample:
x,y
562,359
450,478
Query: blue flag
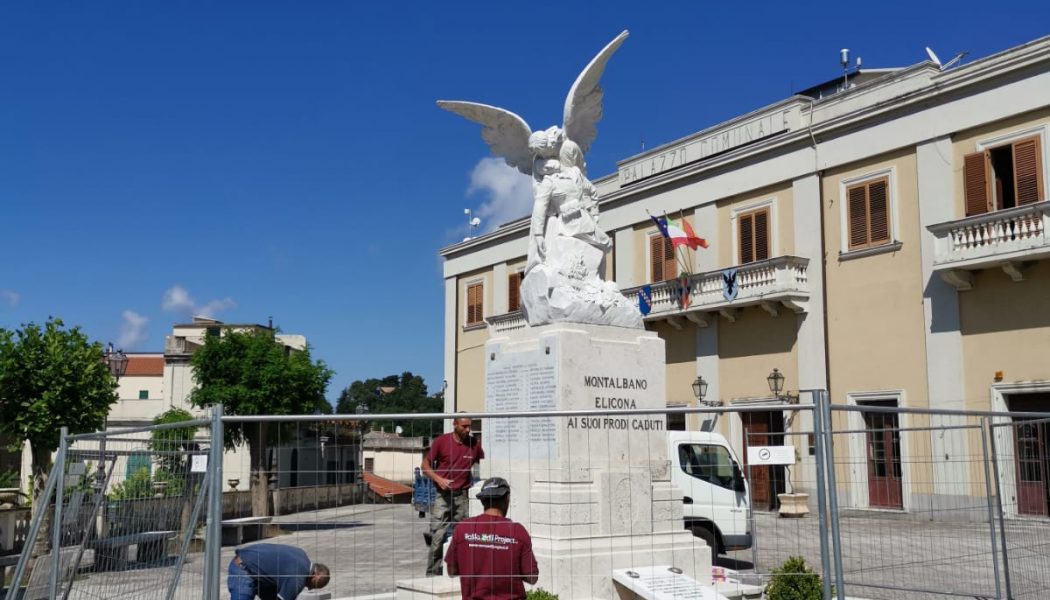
x,y
661,224
645,299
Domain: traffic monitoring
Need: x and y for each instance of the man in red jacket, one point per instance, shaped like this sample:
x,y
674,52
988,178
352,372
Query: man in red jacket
x,y
449,464
491,554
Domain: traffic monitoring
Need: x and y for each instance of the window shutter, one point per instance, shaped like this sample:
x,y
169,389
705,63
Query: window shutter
x,y
656,258
975,180
1028,176
858,216
513,292
670,268
475,304
762,235
747,239
878,211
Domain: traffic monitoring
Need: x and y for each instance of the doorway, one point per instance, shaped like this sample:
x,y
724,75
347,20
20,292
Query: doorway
x,y
764,429
1032,463
883,441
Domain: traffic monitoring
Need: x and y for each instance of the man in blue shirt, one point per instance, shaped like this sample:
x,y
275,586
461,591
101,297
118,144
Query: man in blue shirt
x,y
273,572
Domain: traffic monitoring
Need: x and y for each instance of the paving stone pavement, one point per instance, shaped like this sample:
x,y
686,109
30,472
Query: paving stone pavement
x,y
370,547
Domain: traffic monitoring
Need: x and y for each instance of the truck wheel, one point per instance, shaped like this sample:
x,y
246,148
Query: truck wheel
x,y
710,538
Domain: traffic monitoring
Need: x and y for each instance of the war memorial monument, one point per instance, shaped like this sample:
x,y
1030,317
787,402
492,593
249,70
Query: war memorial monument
x,y
593,491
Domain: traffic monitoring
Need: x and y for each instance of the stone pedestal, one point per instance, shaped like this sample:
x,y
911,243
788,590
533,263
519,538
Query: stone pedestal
x,y
594,492
793,505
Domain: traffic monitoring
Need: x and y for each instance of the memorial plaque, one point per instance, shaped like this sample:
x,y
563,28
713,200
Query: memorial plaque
x,y
663,583
523,380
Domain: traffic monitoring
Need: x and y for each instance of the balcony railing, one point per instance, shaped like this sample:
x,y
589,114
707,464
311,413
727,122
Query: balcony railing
x,y
1003,238
772,284
506,322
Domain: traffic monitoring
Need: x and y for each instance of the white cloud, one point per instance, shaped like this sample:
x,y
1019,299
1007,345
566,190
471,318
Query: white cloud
x,y
11,298
133,330
178,300
508,192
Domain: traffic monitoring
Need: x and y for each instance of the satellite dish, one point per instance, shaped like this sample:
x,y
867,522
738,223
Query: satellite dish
x,y
475,222
398,430
933,57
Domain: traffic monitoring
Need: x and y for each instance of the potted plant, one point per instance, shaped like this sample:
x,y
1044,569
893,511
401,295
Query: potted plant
x,y
540,594
793,580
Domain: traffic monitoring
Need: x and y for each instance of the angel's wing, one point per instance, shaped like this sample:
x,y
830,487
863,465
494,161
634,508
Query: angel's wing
x,y
506,133
583,106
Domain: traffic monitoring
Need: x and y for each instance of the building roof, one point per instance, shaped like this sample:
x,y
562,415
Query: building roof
x,y
145,365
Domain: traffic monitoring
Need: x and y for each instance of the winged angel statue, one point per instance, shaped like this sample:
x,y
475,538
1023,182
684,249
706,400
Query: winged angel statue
x,y
564,274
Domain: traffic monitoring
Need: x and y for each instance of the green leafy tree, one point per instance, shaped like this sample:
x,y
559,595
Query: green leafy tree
x,y
51,377
170,445
794,580
405,393
251,373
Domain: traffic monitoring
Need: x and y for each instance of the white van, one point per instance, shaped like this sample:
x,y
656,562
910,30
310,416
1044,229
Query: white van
x,y
717,501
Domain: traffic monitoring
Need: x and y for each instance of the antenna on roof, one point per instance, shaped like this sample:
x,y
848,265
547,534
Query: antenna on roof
x,y
844,59
955,59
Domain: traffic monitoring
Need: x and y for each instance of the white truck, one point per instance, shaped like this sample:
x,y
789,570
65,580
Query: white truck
x,y
716,498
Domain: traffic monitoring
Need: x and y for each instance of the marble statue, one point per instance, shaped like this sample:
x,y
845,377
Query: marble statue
x,y
565,270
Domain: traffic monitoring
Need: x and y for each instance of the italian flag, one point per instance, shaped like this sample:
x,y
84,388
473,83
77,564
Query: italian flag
x,y
682,234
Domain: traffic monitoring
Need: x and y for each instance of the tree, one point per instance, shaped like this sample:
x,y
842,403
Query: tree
x,y
393,394
251,373
51,377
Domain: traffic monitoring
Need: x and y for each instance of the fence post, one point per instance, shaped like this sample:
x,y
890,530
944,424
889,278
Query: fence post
x,y
999,505
39,510
991,510
833,494
822,501
56,522
213,531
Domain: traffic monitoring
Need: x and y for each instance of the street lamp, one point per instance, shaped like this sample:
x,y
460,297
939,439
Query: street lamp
x,y
117,364
700,392
776,387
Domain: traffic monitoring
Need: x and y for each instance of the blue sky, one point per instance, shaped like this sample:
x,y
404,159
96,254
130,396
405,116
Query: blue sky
x,y
287,159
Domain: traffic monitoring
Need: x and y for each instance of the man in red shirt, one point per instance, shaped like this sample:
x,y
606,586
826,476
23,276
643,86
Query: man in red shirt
x,y
492,554
449,464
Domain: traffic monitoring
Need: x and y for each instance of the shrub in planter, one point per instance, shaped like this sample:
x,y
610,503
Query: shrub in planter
x,y
793,580
540,594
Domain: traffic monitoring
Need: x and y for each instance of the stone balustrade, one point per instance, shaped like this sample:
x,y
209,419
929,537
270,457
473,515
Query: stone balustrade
x,y
1004,238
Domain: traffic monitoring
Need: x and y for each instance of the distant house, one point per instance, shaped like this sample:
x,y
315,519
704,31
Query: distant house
x,y
391,456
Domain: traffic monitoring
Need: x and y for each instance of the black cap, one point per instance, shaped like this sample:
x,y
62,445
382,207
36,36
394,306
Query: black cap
x,y
494,487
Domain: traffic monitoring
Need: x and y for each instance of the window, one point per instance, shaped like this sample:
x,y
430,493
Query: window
x,y
212,331
370,465
514,290
753,236
143,394
676,421
1003,176
661,259
707,463
475,303
868,207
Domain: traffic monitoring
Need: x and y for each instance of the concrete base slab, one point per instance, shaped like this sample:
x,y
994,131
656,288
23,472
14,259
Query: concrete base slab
x,y
428,588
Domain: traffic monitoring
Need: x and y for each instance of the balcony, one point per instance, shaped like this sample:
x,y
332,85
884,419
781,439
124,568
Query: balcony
x,y
507,322
1006,238
773,284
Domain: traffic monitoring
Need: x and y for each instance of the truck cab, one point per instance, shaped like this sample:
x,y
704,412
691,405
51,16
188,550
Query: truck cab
x,y
716,497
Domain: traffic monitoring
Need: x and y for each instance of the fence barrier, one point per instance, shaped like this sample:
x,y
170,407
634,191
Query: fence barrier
x,y
880,501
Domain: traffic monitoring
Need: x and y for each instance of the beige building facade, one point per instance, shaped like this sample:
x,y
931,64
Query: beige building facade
x,y
886,242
